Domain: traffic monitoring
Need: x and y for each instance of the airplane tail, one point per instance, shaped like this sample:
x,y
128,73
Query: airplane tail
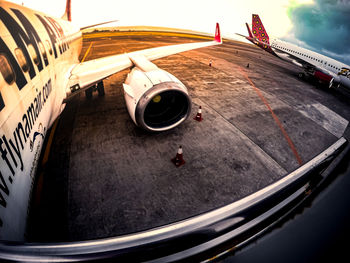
x,y
67,14
259,30
249,31
218,37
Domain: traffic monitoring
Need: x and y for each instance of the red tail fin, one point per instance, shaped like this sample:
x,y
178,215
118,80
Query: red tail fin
x,y
217,34
67,14
259,30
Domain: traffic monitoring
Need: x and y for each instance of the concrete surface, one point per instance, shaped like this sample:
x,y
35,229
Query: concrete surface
x,y
107,177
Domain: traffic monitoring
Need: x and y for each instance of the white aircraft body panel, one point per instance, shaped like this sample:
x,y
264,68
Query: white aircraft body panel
x,y
302,56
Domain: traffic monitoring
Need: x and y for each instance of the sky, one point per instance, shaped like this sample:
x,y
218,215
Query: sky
x,y
320,25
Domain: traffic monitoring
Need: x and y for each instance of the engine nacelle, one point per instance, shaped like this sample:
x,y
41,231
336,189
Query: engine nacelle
x,y
156,100
322,76
326,78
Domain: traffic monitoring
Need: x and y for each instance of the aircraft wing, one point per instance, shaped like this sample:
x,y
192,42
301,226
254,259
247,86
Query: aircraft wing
x,y
88,73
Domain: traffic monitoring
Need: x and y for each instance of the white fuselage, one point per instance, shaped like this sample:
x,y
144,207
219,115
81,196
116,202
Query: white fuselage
x,y
36,55
294,54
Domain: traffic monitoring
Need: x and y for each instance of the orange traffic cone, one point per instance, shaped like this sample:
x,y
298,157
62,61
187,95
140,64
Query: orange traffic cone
x,y
178,160
199,114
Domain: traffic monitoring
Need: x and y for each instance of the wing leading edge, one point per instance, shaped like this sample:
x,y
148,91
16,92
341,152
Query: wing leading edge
x,y
88,73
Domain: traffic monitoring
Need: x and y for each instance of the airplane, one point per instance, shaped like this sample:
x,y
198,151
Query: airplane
x,y
40,72
323,68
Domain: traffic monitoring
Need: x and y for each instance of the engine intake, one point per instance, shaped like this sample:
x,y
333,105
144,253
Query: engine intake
x,y
156,100
162,107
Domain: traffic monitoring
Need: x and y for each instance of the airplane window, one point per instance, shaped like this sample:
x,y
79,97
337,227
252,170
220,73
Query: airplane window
x,y
21,59
33,54
48,46
43,51
6,70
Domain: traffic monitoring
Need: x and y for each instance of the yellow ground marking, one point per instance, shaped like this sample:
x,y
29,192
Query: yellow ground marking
x,y
143,33
87,52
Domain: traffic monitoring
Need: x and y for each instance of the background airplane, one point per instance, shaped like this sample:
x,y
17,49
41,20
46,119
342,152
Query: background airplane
x,y
40,71
323,68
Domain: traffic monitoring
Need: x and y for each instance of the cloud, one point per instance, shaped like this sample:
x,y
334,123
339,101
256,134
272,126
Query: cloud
x,y
323,25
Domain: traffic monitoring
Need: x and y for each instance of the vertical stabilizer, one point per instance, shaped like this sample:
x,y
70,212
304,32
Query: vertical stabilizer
x,y
67,14
218,34
249,31
259,30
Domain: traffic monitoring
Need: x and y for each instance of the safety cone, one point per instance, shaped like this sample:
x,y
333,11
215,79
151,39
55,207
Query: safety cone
x,y
199,114
178,160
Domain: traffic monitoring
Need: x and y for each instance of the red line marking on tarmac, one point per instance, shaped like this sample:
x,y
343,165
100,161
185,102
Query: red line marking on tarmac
x,y
278,122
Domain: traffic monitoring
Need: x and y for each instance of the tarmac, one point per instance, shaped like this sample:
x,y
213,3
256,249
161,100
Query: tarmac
x,y
107,177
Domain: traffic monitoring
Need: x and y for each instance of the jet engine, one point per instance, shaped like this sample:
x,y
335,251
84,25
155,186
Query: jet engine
x,y
156,100
326,78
